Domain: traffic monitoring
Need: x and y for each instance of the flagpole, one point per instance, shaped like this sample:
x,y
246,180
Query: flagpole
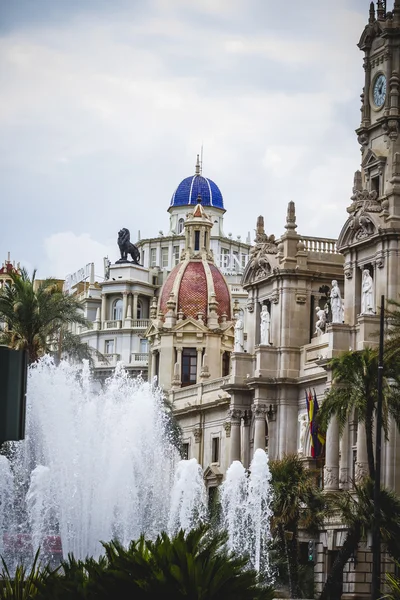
x,y
376,531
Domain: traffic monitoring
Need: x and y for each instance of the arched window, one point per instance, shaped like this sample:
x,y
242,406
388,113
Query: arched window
x,y
117,310
180,225
139,312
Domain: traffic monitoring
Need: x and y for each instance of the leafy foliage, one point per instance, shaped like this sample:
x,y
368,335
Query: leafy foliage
x,y
297,503
355,389
193,565
22,585
34,312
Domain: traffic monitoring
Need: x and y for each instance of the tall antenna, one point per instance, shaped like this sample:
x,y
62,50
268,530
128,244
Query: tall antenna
x,y
201,160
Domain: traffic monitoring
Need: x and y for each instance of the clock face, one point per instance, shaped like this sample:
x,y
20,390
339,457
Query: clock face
x,y
379,93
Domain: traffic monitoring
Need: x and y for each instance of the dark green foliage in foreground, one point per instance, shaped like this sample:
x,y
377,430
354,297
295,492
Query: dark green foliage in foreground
x,y
193,565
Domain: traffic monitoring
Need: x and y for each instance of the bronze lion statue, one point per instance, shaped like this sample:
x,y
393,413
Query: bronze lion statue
x,y
126,247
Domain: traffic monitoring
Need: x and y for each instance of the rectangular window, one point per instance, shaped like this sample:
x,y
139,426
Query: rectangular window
x,y
153,257
144,346
243,258
176,255
224,258
164,257
215,450
235,261
185,451
109,347
375,184
143,257
197,241
189,366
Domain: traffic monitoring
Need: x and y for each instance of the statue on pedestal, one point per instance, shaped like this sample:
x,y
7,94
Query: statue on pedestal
x,y
367,294
265,325
126,247
239,335
303,420
336,303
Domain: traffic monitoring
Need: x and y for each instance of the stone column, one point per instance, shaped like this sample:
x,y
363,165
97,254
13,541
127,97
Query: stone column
x,y
153,364
344,470
179,360
103,309
124,306
134,306
259,412
245,454
199,363
235,415
331,469
362,457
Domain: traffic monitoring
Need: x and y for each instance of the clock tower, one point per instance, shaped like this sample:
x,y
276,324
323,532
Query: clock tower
x,y
370,238
379,133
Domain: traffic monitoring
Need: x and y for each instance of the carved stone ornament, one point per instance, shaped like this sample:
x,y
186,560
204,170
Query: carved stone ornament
x,y
348,272
344,477
274,297
235,415
259,411
301,298
364,201
363,139
197,435
250,305
227,427
380,262
391,128
361,471
331,477
362,225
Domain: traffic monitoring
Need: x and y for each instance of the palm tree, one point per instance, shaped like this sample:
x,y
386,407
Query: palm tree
x,y
354,388
34,313
356,510
297,503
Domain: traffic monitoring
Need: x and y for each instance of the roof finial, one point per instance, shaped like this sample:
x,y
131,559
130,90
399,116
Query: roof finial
x,y
371,12
291,216
381,10
198,167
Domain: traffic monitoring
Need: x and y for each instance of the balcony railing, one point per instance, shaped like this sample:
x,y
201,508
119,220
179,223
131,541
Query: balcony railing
x,y
141,324
140,358
325,245
112,324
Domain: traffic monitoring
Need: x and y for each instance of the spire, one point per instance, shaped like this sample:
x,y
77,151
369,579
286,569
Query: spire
x,y
198,166
291,216
371,12
381,10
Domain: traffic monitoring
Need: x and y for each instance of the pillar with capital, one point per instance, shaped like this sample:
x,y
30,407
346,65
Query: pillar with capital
x,y
199,363
135,306
331,468
103,309
235,419
245,451
344,458
259,412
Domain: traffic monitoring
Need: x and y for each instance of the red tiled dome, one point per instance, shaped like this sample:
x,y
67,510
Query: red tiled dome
x,y
189,284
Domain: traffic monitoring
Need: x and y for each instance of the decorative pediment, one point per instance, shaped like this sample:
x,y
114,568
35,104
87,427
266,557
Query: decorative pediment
x,y
190,324
359,227
373,159
213,476
372,31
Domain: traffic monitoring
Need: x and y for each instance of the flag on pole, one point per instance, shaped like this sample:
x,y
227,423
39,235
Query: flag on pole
x,y
317,438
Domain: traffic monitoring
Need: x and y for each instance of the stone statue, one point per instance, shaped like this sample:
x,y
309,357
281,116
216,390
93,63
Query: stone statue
x,y
265,325
126,247
336,303
367,294
321,321
239,336
303,420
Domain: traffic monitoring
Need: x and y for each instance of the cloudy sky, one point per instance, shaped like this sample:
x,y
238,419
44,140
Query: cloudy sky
x,y
104,106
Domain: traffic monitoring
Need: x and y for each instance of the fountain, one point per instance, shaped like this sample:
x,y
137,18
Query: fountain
x,y
100,464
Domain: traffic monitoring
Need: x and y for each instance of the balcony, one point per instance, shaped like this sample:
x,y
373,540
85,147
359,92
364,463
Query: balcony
x,y
140,359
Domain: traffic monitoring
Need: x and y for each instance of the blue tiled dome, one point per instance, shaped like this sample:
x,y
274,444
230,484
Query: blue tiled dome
x,y
191,188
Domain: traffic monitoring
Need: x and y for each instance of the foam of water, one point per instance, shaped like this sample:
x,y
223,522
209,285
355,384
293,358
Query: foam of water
x,y
98,464
246,513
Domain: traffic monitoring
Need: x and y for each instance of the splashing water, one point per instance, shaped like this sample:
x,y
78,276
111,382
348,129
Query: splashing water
x,y
100,464
246,512
93,466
